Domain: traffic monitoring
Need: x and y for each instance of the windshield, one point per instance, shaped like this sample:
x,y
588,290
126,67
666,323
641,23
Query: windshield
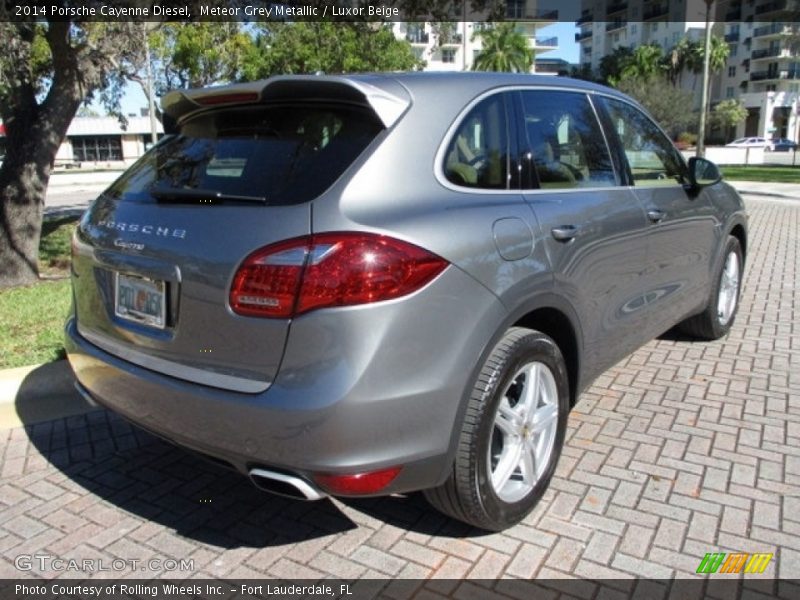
x,y
284,154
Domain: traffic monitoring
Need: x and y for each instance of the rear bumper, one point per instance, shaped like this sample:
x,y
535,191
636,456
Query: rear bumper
x,y
359,390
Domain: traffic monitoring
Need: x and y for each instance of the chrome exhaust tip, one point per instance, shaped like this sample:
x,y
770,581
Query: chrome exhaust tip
x,y
285,485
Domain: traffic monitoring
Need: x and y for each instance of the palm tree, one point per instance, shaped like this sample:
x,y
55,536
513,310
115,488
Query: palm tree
x,y
645,62
504,49
682,57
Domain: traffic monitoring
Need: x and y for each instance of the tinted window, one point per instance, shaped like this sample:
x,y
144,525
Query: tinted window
x,y
478,154
286,154
652,158
565,140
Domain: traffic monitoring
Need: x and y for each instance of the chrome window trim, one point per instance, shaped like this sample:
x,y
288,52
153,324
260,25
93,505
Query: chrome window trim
x,y
438,167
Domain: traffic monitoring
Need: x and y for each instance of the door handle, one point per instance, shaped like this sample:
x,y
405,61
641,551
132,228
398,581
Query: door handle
x,y
564,233
656,216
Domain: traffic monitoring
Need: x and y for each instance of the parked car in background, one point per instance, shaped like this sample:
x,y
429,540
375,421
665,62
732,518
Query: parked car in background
x,y
374,284
782,145
749,142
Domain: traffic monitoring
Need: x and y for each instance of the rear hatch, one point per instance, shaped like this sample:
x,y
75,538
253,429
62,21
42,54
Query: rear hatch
x,y
155,255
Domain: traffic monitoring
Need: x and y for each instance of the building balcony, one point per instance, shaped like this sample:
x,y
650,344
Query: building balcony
x,y
732,37
615,25
765,53
418,37
550,42
768,76
585,17
734,14
656,12
517,12
771,7
583,35
770,30
453,39
616,7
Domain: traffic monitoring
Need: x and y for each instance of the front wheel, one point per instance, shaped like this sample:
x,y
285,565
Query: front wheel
x,y
511,436
717,318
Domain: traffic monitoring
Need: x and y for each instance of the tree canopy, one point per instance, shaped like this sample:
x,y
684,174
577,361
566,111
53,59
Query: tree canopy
x,y
49,69
503,49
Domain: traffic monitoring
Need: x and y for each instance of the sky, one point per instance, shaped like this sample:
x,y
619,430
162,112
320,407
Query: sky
x,y
568,49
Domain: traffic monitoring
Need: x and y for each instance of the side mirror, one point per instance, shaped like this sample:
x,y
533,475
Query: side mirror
x,y
703,172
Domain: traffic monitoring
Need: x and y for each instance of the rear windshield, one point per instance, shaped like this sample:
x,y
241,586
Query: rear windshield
x,y
284,154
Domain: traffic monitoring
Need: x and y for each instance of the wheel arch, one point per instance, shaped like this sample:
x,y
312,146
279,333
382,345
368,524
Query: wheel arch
x,y
740,234
556,324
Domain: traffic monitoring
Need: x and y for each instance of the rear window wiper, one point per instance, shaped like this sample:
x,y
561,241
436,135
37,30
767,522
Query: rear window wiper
x,y
202,196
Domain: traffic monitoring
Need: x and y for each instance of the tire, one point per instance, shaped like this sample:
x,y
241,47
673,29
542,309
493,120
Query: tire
x,y
720,313
506,453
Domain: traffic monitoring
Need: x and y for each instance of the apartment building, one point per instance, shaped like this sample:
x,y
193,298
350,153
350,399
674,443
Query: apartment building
x,y
763,69
453,46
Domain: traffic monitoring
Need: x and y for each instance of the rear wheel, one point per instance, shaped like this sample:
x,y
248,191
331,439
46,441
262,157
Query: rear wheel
x,y
512,434
718,317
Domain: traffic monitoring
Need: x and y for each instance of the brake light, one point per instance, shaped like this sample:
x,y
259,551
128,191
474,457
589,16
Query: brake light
x,y
330,269
227,98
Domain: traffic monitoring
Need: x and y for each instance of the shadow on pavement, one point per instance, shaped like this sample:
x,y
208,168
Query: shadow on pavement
x,y
148,477
45,393
154,480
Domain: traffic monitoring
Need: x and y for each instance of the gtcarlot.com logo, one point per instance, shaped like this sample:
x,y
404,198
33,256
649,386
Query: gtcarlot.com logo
x,y
737,562
48,562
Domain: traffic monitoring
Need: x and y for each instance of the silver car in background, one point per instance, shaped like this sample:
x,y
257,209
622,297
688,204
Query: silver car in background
x,y
377,284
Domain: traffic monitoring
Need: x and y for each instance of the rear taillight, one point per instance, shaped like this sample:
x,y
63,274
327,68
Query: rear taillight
x,y
329,269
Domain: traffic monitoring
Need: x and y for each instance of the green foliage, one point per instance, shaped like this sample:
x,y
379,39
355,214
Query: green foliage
x,y
503,49
688,138
648,60
309,47
32,323
612,65
198,54
727,113
762,173
55,245
668,105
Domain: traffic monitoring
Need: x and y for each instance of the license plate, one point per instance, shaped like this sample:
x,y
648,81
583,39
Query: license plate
x,y
140,299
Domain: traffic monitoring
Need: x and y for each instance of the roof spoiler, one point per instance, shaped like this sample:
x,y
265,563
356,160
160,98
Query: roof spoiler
x,y
387,106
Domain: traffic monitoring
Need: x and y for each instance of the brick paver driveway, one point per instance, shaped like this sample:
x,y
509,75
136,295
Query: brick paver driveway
x,y
684,448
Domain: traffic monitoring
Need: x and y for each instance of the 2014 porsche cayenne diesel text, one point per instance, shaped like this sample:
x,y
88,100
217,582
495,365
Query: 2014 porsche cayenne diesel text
x,y
363,285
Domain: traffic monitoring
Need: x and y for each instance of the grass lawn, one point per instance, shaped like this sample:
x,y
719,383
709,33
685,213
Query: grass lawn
x,y
32,317
776,174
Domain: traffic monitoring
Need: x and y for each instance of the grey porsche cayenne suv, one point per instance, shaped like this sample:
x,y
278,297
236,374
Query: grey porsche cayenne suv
x,y
376,284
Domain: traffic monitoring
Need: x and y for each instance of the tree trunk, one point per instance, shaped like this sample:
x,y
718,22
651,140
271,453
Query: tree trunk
x,y
34,132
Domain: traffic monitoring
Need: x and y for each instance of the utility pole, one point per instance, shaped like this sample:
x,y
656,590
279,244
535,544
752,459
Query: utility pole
x,y
701,141
150,99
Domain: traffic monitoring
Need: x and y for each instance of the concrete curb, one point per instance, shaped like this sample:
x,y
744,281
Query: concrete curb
x,y
38,393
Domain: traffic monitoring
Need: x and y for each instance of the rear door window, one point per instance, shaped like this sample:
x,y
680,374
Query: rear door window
x,y
478,154
283,154
564,141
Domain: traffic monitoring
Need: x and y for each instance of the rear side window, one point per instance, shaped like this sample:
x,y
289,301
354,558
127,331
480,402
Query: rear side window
x,y
565,142
478,154
653,159
284,154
